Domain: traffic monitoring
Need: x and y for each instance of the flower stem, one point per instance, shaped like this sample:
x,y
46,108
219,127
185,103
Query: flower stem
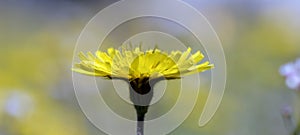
x,y
141,95
140,112
297,129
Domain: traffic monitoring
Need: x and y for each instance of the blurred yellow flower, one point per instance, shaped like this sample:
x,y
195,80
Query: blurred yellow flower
x,y
135,64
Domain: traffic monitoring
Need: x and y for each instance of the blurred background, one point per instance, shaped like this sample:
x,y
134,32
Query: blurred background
x,y
38,37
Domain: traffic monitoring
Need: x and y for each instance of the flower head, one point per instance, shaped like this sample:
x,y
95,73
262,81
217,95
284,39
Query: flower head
x,y
135,64
292,73
142,70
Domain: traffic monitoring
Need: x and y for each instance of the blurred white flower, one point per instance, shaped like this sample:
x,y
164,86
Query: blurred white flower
x,y
18,104
293,81
292,73
287,69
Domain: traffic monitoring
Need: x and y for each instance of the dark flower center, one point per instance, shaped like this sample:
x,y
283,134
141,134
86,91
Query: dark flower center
x,y
141,91
141,86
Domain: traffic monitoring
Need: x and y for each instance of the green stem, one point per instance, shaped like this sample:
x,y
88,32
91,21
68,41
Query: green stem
x,y
140,112
297,129
289,124
141,95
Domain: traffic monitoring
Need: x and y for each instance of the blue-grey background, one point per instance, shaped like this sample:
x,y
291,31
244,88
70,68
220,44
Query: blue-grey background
x,y
37,38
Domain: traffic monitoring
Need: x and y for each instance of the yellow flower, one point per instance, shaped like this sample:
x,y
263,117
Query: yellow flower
x,y
141,70
135,64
